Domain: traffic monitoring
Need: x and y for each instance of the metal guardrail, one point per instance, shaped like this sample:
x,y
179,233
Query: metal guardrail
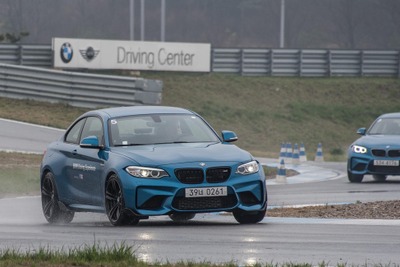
x,y
270,62
27,55
307,63
77,89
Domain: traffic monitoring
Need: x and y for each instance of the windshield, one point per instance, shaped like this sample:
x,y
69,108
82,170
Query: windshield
x,y
389,126
160,129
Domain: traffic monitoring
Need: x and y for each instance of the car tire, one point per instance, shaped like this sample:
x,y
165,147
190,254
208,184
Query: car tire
x,y
248,217
50,202
379,178
181,217
354,178
115,204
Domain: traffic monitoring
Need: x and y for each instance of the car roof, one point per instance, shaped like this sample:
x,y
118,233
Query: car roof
x,y
138,110
390,115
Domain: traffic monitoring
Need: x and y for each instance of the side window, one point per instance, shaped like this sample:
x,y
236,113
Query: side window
x,y
74,132
93,126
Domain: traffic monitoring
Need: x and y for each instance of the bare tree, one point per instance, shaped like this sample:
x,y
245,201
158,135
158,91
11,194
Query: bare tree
x,y
351,22
392,27
223,23
298,14
258,23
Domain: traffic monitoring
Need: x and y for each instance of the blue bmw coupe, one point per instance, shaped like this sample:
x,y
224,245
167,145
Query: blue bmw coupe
x,y
377,152
141,161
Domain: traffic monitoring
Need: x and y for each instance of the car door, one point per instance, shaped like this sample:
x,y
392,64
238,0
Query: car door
x,y
85,165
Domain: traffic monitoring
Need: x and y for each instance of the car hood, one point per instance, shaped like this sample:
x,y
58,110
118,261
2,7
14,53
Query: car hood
x,y
157,155
379,140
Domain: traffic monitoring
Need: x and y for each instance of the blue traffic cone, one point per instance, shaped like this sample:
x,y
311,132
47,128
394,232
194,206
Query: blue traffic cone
x,y
319,156
303,155
282,153
281,175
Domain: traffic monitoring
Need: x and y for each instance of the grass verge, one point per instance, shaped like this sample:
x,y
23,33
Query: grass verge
x,y
116,255
19,174
263,111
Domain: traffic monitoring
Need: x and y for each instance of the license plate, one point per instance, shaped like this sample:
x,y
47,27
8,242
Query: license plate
x,y
206,191
386,162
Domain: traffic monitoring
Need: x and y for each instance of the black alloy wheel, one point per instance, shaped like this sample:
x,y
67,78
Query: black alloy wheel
x,y
115,204
50,206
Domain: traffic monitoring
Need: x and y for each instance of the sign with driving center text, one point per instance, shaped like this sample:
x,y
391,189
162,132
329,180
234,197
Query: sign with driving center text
x,y
130,55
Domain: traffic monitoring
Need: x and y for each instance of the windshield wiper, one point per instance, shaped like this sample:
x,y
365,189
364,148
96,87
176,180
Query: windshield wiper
x,y
130,145
185,142
172,142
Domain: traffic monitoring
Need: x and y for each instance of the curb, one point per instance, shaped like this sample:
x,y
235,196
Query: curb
x,y
308,173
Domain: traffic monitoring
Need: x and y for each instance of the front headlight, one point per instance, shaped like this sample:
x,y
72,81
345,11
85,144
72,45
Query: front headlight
x,y
248,168
359,149
145,172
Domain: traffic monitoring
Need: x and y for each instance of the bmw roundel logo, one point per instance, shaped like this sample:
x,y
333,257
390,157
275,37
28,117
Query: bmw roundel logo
x,y
66,52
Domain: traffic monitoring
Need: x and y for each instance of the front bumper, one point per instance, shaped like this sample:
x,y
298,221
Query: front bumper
x,y
151,197
365,165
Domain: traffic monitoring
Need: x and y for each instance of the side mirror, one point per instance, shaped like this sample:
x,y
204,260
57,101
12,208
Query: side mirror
x,y
90,142
229,136
362,131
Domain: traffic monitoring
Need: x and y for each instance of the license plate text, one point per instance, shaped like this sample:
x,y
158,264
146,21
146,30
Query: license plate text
x,y
386,163
206,191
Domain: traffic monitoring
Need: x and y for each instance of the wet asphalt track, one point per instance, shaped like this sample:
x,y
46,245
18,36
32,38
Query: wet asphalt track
x,y
217,237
